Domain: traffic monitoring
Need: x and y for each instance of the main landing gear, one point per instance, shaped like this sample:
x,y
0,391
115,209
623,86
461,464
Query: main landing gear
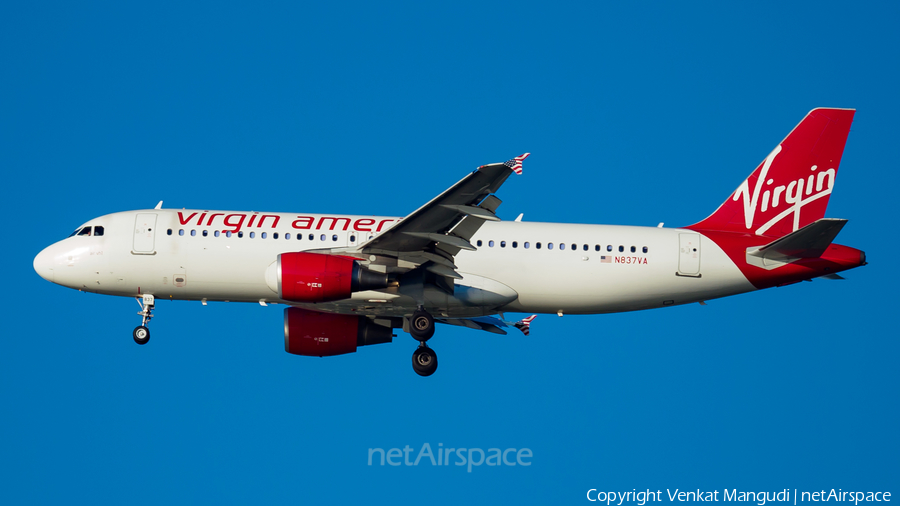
x,y
141,333
424,360
421,327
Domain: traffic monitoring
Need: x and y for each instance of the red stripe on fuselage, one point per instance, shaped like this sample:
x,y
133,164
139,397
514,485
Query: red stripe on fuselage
x,y
836,258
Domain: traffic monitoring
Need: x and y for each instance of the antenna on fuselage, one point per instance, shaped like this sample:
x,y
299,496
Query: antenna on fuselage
x,y
158,206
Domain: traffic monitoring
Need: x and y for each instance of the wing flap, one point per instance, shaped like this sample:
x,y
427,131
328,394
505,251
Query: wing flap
x,y
493,328
452,240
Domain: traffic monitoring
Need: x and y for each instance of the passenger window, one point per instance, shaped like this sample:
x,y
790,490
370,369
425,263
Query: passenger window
x,y
168,232
549,245
538,245
491,243
240,234
312,237
85,231
621,248
275,235
98,231
633,249
228,233
596,247
479,242
287,235
515,244
252,235
216,233
264,235
562,246
334,237
180,231
205,233
526,244
322,237
645,249
502,244
575,247
193,233
352,238
609,248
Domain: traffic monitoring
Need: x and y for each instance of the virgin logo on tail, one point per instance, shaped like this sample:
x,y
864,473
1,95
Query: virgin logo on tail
x,y
791,187
795,194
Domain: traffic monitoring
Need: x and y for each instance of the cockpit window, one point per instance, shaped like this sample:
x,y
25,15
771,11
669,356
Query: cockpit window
x,y
97,231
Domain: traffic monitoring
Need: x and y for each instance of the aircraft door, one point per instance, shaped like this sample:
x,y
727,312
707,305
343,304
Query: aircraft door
x,y
689,255
144,234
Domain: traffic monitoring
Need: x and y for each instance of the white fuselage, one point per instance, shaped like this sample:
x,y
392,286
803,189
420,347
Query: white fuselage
x,y
518,266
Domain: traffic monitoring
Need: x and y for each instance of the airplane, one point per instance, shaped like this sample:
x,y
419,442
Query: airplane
x,y
349,281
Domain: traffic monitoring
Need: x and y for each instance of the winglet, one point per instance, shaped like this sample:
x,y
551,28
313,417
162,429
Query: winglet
x,y
516,163
525,325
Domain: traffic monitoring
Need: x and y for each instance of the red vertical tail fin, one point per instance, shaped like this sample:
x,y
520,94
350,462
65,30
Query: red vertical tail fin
x,y
791,187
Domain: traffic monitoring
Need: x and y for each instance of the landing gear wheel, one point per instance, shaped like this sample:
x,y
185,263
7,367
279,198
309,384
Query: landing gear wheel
x,y
424,361
421,325
141,334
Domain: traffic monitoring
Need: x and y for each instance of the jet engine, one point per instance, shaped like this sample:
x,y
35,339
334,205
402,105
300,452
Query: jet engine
x,y
315,277
316,334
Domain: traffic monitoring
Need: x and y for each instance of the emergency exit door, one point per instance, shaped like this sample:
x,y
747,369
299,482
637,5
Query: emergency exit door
x,y
689,255
144,234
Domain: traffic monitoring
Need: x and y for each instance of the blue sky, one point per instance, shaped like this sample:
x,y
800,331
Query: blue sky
x,y
634,114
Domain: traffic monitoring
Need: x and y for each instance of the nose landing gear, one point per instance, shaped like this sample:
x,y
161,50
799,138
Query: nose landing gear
x,y
141,333
421,327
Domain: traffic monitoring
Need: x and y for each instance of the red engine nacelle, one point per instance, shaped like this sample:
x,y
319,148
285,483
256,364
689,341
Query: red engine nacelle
x,y
325,334
316,277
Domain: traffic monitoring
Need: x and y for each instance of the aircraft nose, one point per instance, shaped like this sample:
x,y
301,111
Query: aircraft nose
x,y
43,264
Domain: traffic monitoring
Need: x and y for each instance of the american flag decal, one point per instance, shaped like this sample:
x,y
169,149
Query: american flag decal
x,y
516,163
605,259
525,325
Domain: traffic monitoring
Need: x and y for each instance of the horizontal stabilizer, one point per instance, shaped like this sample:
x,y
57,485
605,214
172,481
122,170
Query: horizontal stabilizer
x,y
810,241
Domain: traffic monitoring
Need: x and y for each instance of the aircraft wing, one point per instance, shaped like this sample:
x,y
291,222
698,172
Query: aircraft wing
x,y
433,234
490,324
